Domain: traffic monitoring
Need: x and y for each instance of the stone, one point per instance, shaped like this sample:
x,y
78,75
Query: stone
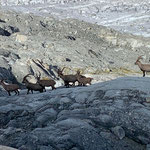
x,y
4,32
119,132
105,119
81,98
21,38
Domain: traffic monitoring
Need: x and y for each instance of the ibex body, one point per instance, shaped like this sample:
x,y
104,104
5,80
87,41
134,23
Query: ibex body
x,y
46,83
10,87
144,67
32,86
67,78
83,80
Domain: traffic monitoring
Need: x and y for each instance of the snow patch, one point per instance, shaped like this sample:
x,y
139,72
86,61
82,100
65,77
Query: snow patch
x,y
130,16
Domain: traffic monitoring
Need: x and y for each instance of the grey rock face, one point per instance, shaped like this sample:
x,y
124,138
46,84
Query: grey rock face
x,y
119,132
56,120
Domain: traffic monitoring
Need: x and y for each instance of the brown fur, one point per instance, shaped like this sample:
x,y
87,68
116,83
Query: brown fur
x,y
84,80
143,67
32,86
10,87
46,83
67,78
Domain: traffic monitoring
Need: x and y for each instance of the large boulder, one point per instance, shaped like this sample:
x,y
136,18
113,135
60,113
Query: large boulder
x,y
114,115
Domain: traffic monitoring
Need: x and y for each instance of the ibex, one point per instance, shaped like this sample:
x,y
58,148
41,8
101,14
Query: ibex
x,y
10,87
45,83
32,86
83,80
67,78
144,67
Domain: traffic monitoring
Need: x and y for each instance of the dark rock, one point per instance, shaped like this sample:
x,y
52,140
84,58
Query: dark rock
x,y
91,52
4,32
67,59
111,62
12,29
104,120
46,116
88,139
2,21
119,132
4,53
70,38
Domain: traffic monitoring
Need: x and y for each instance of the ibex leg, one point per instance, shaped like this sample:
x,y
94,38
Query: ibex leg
x,y
53,87
16,92
143,73
28,91
9,93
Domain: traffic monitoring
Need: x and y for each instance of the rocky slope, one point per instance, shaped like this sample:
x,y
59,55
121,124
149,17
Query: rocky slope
x,y
112,115
34,43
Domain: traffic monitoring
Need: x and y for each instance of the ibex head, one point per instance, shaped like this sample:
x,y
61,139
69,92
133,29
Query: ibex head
x,y
60,72
138,60
24,79
38,77
78,72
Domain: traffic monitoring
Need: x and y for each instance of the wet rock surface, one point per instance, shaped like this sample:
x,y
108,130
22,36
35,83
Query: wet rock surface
x,y
108,118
